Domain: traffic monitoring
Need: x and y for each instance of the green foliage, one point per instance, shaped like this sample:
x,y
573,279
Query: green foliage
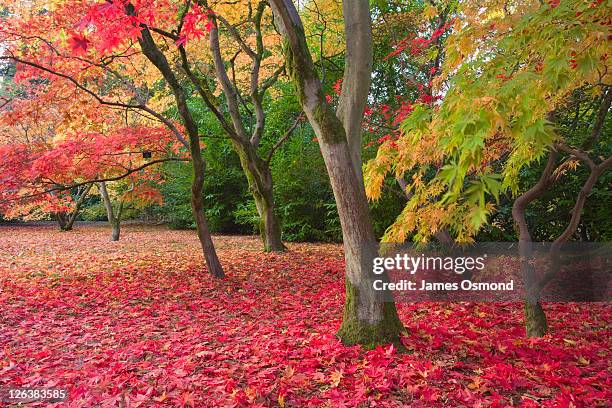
x,y
505,73
176,192
304,198
94,212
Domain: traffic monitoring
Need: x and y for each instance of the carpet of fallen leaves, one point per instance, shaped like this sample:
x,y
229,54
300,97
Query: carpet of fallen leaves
x,y
139,323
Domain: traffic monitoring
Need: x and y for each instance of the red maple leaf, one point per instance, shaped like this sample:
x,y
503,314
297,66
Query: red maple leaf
x,y
78,44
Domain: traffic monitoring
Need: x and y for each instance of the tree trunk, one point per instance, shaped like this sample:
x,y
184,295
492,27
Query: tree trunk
x,y
256,170
62,221
369,318
66,220
535,319
116,230
269,225
259,177
197,205
113,220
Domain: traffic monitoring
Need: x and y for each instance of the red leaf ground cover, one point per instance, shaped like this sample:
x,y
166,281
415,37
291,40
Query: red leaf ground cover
x,y
139,323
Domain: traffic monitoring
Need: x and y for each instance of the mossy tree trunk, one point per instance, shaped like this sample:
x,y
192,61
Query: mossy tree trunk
x,y
62,221
259,177
535,319
370,318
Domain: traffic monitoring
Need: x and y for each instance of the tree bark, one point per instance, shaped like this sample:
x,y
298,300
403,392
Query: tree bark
x,y
62,221
259,177
197,205
357,74
535,318
113,219
66,220
368,319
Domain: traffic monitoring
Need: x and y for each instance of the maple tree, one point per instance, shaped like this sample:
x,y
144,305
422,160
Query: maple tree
x,y
40,178
248,42
497,118
54,46
49,162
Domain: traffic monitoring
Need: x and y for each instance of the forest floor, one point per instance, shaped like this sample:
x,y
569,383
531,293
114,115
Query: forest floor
x,y
139,323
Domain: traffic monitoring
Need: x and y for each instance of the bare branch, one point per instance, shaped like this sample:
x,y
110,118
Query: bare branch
x,y
286,136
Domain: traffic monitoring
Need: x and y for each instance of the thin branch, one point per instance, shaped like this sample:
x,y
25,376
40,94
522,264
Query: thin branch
x,y
286,136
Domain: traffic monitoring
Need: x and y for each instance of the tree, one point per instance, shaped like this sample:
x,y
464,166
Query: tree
x,y
56,176
134,191
256,168
509,74
368,319
238,117
48,47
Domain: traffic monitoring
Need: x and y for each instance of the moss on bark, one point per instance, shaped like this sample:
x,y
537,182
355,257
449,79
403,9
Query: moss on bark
x,y
355,331
535,320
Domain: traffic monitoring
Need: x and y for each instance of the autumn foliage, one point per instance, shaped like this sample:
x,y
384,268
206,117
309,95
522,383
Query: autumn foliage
x,y
121,325
35,174
450,121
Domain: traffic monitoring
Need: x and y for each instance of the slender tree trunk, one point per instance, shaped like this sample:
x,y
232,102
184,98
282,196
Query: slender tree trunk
x,y
259,177
66,220
535,318
113,219
369,317
197,205
116,231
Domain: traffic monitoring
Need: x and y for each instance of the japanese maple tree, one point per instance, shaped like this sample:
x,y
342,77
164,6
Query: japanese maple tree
x,y
510,71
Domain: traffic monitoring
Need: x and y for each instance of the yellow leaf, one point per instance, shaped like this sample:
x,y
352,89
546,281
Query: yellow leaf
x,y
336,376
430,12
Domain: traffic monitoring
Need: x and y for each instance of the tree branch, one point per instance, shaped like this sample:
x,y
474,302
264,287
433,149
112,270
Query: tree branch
x,y
98,180
98,98
286,136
